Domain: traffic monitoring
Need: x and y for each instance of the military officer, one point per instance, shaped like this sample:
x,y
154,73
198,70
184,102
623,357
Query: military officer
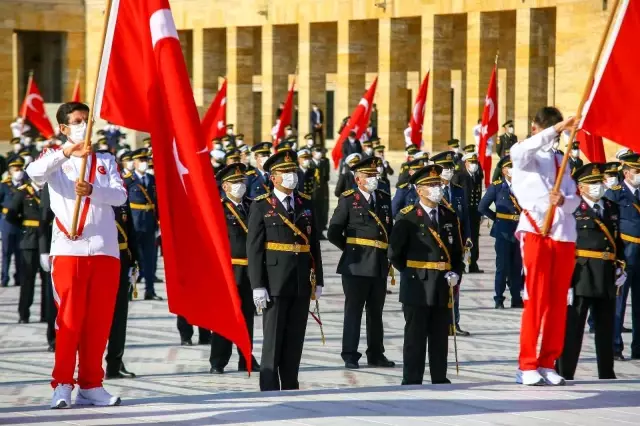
x,y
379,152
232,155
405,192
244,154
127,167
10,232
285,145
410,151
306,173
360,227
128,259
575,162
24,213
506,140
46,231
425,246
470,177
627,197
611,172
323,174
239,139
347,180
142,199
497,173
454,146
229,138
367,148
598,272
217,159
453,199
505,221
236,209
258,182
285,270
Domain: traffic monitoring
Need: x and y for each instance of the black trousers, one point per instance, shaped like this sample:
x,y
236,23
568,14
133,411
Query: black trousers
x,y
221,347
51,310
603,311
318,136
29,265
284,326
358,293
118,333
186,331
425,325
474,224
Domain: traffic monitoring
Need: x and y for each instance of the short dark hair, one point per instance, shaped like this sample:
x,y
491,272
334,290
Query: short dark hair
x,y
67,108
547,117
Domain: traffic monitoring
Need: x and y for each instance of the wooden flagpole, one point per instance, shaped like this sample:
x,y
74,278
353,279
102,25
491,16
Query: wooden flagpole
x,y
24,106
585,95
87,139
77,83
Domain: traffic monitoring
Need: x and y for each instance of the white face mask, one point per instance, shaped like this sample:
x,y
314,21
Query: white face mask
x,y
151,172
509,129
39,146
473,167
309,143
143,166
17,175
352,139
290,180
229,132
575,153
596,191
435,193
128,165
371,184
317,155
509,171
214,163
78,132
306,164
17,147
103,147
611,181
368,151
238,190
380,169
636,179
446,174
288,132
27,160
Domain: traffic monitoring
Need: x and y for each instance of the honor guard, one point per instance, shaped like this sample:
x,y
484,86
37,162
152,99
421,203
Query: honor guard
x,y
453,199
347,180
10,232
505,221
506,140
598,271
142,200
236,208
258,182
24,213
611,172
470,177
306,173
574,157
360,227
426,248
285,270
405,192
627,197
128,270
321,199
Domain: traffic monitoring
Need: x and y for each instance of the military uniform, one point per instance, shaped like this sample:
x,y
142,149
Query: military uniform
x,y
258,182
424,252
321,197
236,215
505,221
454,147
347,180
306,176
405,192
505,141
575,162
599,253
281,261
10,232
361,231
46,231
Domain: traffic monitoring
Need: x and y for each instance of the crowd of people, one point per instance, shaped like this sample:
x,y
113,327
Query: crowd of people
x,y
275,196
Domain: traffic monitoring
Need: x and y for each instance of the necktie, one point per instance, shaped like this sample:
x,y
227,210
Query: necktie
x,y
372,203
637,194
287,202
597,209
144,180
433,217
446,194
241,209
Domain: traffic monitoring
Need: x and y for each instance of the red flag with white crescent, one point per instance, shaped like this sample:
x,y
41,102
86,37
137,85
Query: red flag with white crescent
x,y
33,110
215,120
286,115
489,126
417,115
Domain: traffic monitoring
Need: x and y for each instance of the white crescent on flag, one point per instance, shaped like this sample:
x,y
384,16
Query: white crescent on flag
x,y
364,103
223,102
418,110
29,101
220,124
162,26
182,170
489,102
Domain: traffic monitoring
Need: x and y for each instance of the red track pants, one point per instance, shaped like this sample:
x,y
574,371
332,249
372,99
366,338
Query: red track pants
x,y
84,289
548,267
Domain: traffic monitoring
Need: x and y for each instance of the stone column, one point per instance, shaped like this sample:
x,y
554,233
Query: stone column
x,y
523,55
74,61
240,56
268,110
427,53
198,66
304,82
343,72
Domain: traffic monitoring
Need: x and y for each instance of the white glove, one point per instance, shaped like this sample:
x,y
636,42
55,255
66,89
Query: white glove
x,y
45,262
133,274
621,277
318,292
570,297
466,257
260,298
452,278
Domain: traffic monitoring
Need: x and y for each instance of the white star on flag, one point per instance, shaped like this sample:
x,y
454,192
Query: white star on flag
x,y
182,170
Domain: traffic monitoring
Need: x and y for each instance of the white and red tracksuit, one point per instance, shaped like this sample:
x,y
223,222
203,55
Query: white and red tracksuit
x,y
85,271
548,262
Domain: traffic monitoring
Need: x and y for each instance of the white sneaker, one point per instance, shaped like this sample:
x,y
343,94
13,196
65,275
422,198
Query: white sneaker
x,y
529,378
61,396
551,377
96,396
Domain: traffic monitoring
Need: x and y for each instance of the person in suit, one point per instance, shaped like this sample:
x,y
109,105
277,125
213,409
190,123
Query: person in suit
x,y
627,197
236,208
323,174
406,194
425,246
506,140
505,221
316,123
285,270
10,232
575,162
360,228
306,173
347,180
258,182
470,177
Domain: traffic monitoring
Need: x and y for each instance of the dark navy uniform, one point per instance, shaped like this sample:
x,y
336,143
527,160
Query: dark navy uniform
x,y
46,231
424,251
505,221
10,232
505,141
346,181
361,229
405,192
258,182
306,177
575,163
321,197
599,253
281,261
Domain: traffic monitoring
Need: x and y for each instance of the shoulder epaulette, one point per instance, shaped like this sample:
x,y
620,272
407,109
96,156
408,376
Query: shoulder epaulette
x,y
6,180
402,185
384,192
251,172
23,186
497,182
456,185
407,209
127,175
616,187
262,197
348,192
304,195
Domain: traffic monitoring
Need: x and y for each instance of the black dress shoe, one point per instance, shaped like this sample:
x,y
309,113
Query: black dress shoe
x,y
476,270
152,296
254,366
351,365
381,362
126,373
216,370
186,342
119,375
517,304
441,382
499,305
619,357
461,332
23,321
626,330
204,341
389,292
51,348
157,280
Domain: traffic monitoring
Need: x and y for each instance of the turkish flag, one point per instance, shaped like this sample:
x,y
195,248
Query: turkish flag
x,y
76,92
33,110
144,85
215,120
358,122
612,108
592,146
417,116
285,115
489,126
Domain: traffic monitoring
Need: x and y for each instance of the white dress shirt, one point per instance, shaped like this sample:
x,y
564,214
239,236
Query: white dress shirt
x,y
281,196
534,174
100,236
428,210
593,203
367,196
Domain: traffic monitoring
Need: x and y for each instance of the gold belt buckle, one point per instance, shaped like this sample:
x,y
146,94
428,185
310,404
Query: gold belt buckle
x,y
296,248
441,266
605,256
378,244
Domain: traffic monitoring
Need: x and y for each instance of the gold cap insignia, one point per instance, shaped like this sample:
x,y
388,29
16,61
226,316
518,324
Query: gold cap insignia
x,y
449,157
287,157
433,173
